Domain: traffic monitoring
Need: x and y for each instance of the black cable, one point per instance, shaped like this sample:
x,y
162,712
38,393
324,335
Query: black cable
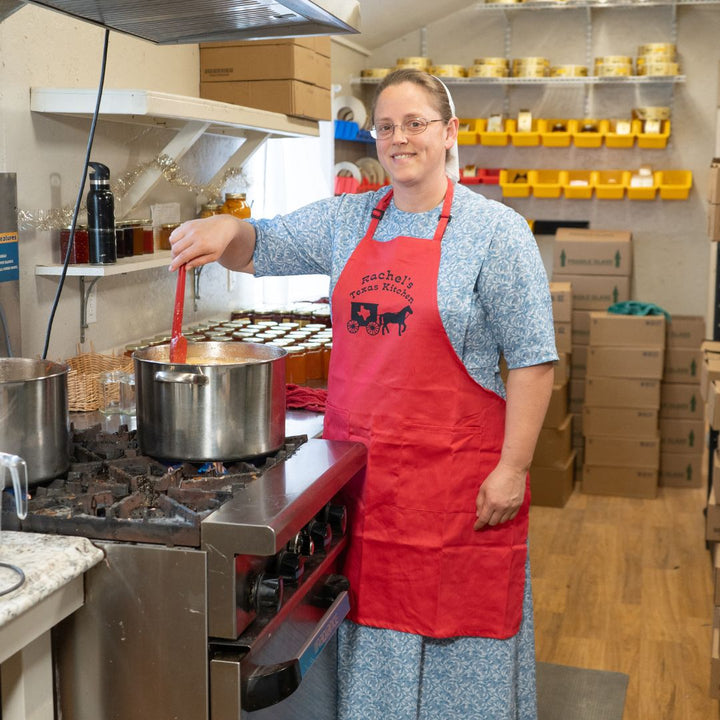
x,y
19,582
78,201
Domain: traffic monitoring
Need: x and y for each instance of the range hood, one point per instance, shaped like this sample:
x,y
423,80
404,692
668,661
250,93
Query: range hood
x,y
166,22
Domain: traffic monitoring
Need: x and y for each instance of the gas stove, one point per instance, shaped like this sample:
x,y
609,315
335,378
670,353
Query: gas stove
x,y
220,585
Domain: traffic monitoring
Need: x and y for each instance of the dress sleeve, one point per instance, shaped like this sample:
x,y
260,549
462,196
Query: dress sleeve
x,y
516,296
299,243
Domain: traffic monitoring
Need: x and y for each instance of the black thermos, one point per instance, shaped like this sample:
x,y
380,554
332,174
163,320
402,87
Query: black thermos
x,y
101,216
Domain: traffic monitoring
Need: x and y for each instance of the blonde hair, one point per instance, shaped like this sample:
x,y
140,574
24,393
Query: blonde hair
x,y
434,88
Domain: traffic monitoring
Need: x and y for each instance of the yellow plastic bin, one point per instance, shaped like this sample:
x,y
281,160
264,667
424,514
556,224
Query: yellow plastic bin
x,y
494,138
470,129
588,132
523,138
611,184
545,183
643,192
615,139
515,183
577,184
653,140
554,132
675,184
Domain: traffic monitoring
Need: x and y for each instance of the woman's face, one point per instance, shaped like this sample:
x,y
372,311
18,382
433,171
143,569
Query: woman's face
x,y
410,159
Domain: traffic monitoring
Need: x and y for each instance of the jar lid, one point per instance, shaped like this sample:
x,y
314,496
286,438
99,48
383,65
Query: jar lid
x,y
234,196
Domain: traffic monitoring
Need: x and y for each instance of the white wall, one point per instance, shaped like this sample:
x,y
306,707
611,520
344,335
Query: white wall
x,y
42,48
671,246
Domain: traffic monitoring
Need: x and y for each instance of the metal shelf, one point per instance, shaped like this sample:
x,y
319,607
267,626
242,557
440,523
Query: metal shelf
x,y
581,81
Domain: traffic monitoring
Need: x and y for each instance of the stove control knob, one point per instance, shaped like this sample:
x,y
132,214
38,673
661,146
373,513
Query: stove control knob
x,y
336,515
290,566
321,534
267,594
302,544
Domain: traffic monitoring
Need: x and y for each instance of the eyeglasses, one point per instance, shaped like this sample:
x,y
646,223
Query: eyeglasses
x,y
383,131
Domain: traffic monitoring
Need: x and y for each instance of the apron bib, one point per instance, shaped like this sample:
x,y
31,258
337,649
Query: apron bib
x,y
433,434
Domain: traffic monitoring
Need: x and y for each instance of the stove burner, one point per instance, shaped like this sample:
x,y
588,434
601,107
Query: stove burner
x,y
113,493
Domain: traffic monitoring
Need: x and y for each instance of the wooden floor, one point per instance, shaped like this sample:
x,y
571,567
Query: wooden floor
x,y
626,585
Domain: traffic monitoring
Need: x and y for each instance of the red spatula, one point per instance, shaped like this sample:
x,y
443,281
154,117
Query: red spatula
x,y
178,342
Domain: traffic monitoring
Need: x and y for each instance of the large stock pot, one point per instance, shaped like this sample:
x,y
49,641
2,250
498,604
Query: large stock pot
x,y
226,402
34,419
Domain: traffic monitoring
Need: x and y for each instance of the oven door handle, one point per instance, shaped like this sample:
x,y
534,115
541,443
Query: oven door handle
x,y
266,685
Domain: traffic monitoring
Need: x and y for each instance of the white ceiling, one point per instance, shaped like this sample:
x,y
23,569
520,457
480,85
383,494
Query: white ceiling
x,y
386,20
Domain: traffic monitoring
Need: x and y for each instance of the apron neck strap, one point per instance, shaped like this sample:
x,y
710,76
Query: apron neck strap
x,y
384,202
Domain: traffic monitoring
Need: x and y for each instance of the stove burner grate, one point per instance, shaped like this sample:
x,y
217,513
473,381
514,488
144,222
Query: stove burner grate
x,y
111,492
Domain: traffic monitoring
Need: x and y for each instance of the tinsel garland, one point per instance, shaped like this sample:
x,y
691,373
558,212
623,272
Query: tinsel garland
x,y
58,218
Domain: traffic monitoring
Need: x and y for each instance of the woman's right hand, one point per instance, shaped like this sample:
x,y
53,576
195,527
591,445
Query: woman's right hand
x,y
223,238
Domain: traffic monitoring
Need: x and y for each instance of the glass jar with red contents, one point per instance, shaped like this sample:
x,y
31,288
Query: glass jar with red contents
x,y
148,237
80,252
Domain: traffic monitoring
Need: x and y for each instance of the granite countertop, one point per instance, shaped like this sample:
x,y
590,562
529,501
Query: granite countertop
x,y
49,563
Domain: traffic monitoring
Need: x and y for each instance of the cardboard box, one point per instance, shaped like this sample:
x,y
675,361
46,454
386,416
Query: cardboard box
x,y
592,252
576,390
713,405
715,551
681,470
563,339
713,195
685,331
552,486
598,292
709,373
558,407
561,295
578,436
620,422
317,43
289,97
680,400
627,330
627,362
712,519
286,61
681,436
682,365
713,221
715,656
622,481
554,445
562,369
578,361
622,392
605,450
581,327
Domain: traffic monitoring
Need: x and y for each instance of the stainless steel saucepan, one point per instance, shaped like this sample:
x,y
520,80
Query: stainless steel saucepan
x,y
226,402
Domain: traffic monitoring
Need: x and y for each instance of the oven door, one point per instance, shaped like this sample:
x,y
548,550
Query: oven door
x,y
290,672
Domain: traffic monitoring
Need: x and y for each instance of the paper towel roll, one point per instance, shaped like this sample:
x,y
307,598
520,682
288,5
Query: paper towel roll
x,y
350,108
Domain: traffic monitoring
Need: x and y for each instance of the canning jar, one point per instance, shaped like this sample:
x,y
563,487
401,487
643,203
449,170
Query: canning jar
x,y
165,232
295,364
235,204
148,237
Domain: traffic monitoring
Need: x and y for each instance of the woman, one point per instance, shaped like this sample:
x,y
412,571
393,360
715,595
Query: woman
x,y
441,619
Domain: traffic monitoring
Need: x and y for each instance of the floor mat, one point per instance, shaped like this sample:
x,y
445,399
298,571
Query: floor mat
x,y
570,693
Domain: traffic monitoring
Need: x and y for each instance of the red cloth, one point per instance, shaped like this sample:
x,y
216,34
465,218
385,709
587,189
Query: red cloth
x,y
299,396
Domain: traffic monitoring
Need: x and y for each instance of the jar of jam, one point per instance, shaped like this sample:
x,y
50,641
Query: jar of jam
x,y
80,252
121,248
210,209
295,364
148,237
165,232
138,240
326,352
235,204
313,361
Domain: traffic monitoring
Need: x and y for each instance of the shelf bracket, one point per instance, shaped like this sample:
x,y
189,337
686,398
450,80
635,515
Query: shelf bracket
x,y
84,296
186,137
252,143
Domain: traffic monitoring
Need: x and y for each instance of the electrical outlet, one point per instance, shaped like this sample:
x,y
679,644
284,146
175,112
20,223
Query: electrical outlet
x,y
91,307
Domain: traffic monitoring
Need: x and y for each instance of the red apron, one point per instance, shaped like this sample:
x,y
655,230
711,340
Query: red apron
x,y
433,434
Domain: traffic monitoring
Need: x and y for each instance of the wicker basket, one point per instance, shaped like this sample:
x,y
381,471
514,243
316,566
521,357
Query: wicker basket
x,y
84,392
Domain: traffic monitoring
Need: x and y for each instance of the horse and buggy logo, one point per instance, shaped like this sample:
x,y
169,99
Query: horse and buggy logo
x,y
366,315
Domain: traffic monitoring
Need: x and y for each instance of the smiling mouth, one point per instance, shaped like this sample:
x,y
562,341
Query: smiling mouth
x,y
402,156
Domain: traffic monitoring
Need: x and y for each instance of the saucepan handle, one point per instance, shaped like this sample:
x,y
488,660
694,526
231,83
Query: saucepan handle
x,y
183,378
17,468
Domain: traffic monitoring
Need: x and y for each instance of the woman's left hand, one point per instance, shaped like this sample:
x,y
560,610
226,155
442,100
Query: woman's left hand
x,y
500,496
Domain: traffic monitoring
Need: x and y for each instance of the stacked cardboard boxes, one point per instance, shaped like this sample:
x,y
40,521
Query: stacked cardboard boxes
x,y
682,421
598,266
622,401
289,76
552,475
